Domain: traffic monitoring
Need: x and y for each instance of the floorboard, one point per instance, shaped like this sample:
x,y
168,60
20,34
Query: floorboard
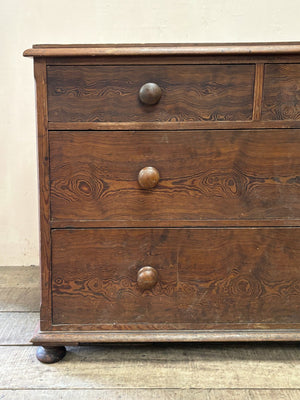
x,y
19,289
19,299
17,277
17,328
150,394
156,366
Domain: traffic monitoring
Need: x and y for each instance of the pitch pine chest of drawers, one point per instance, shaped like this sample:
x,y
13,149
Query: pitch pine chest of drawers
x,y
169,193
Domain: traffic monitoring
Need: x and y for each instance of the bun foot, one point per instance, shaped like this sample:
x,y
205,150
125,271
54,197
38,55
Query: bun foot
x,y
49,354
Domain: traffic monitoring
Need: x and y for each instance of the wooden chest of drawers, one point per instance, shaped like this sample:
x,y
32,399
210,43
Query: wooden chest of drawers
x,y
169,193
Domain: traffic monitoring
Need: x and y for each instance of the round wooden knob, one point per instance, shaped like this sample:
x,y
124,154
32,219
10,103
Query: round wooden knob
x,y
147,278
150,93
148,177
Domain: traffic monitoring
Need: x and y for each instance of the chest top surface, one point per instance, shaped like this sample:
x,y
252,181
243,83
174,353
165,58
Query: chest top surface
x,y
64,50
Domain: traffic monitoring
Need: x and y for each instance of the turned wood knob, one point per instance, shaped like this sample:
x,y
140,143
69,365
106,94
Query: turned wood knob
x,y
150,93
148,177
147,278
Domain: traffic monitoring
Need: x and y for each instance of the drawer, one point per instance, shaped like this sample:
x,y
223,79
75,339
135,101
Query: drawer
x,y
196,278
281,100
79,93
204,175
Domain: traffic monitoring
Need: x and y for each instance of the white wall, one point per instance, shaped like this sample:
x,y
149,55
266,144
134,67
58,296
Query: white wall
x,y
24,22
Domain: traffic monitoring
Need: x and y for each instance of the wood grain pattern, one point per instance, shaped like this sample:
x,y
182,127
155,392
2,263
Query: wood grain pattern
x,y
258,92
177,60
43,153
281,92
163,49
189,93
227,175
74,337
207,125
176,223
224,276
221,282
18,381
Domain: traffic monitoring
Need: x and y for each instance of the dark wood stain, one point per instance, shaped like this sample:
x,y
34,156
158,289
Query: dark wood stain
x,y
44,179
175,223
281,92
215,334
163,49
176,59
219,229
258,91
125,126
216,175
189,93
204,276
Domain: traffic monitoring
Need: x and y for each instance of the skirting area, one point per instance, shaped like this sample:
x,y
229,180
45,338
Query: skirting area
x,y
199,371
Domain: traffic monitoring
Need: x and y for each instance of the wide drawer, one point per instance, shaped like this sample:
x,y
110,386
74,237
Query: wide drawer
x,y
79,93
204,176
205,278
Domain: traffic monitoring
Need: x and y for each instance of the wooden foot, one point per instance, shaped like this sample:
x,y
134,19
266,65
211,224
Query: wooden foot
x,y
49,355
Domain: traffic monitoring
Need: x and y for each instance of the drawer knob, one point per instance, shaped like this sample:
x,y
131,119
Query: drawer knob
x,y
150,93
147,278
148,177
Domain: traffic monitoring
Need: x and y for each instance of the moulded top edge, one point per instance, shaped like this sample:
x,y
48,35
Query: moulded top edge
x,y
156,49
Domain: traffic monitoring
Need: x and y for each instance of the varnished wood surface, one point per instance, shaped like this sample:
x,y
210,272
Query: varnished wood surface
x,y
207,125
258,91
147,278
281,92
206,276
163,49
148,178
50,354
88,223
227,175
75,338
150,93
44,189
245,175
189,93
178,60
202,372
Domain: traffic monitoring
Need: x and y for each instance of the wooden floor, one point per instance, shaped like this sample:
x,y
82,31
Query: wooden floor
x,y
134,372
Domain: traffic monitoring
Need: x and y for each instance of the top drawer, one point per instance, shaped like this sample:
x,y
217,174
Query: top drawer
x,y
281,100
188,93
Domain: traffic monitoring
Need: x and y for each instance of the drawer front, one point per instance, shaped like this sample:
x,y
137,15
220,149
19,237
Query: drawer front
x,y
188,93
204,175
281,99
203,277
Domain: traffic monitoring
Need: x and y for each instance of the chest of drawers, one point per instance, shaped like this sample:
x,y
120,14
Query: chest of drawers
x,y
169,193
